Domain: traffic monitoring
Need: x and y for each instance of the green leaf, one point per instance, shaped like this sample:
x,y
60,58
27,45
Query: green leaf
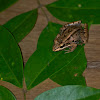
x,y
4,4
44,62
72,10
71,73
5,94
11,64
22,24
71,92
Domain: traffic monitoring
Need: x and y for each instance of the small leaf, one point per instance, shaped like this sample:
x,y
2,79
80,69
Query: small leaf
x,y
4,4
72,10
11,64
5,94
45,63
70,92
22,24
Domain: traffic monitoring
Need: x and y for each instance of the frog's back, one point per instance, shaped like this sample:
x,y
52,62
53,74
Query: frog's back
x,y
70,31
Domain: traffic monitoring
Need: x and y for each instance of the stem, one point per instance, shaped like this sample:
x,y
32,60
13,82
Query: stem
x,y
24,92
38,2
24,96
40,6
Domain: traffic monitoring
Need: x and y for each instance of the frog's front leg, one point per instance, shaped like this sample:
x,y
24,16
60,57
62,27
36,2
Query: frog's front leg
x,y
71,48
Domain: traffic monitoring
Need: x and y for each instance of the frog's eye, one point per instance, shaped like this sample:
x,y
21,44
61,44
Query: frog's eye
x,y
61,46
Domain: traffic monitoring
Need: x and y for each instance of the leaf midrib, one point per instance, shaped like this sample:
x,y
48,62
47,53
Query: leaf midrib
x,y
42,70
10,69
67,63
72,8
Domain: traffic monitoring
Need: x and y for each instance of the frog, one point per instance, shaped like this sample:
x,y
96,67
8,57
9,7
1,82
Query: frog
x,y
71,35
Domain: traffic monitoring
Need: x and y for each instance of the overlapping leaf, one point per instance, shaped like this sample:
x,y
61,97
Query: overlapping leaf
x,y
5,4
45,63
72,92
22,24
11,64
71,10
5,94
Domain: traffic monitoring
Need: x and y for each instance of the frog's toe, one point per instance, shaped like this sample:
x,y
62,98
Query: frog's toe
x,y
68,51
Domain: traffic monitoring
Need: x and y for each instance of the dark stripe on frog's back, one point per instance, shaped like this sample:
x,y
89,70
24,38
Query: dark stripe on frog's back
x,y
66,32
69,29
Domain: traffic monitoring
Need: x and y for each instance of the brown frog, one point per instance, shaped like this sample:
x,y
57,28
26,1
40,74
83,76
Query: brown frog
x,y
71,35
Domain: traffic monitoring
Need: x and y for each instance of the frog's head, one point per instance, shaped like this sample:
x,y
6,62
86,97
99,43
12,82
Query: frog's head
x,y
59,46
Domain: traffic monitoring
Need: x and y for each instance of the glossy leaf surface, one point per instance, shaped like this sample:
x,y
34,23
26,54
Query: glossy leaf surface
x,y
22,24
71,10
6,3
5,94
45,63
70,92
11,64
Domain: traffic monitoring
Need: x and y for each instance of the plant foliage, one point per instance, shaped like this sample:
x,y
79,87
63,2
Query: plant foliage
x,y
4,4
11,63
45,63
64,69
5,94
70,92
71,10
22,24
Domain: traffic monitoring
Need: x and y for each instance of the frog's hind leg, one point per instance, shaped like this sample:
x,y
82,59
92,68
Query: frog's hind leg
x,y
72,48
86,34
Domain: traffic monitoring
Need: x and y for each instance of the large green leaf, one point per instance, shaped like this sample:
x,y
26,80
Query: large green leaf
x,y
11,64
71,92
72,10
45,63
5,94
6,3
22,24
